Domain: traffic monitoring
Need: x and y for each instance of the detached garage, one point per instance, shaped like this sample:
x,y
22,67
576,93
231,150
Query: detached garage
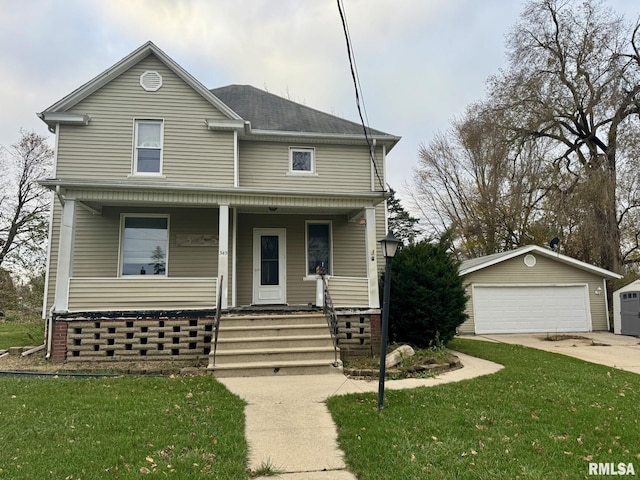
x,y
534,290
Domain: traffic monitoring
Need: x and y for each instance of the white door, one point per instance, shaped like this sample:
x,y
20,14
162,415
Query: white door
x,y
269,266
529,309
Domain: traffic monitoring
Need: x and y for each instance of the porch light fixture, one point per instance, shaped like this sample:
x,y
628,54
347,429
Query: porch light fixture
x,y
389,248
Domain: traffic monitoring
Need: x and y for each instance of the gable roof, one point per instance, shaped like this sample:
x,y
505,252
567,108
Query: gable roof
x,y
248,109
122,66
475,264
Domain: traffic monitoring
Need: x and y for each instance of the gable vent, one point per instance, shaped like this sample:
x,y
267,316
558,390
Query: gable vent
x,y
151,81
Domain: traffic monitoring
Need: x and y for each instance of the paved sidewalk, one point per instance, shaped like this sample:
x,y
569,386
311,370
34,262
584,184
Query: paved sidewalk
x,y
605,348
289,428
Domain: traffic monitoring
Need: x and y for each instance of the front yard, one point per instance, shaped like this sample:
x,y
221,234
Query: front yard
x,y
543,416
95,428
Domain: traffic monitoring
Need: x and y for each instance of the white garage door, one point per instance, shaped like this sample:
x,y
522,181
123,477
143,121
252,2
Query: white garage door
x,y
531,309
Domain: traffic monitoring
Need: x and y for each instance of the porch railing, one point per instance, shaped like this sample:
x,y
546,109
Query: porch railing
x,y
216,324
331,316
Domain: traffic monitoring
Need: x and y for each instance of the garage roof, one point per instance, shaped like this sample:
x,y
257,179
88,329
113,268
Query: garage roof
x,y
475,264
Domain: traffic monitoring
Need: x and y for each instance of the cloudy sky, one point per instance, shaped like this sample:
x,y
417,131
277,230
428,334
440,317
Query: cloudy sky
x,y
420,62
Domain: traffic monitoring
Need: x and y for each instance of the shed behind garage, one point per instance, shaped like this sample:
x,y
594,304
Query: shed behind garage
x,y
534,289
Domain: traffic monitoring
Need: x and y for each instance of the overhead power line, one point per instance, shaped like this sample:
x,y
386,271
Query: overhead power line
x,y
358,90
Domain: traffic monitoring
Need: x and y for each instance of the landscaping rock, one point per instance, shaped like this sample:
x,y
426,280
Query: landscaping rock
x,y
395,357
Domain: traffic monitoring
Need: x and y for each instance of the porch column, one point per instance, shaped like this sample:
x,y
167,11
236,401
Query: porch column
x,y
223,253
65,256
372,256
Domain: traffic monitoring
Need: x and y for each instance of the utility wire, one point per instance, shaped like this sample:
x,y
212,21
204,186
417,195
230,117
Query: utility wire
x,y
356,85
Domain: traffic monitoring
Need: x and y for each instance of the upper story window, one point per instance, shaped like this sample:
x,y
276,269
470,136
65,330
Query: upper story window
x,y
148,147
302,160
144,245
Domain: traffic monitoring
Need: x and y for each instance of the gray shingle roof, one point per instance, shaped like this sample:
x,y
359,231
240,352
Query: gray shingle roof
x,y
267,111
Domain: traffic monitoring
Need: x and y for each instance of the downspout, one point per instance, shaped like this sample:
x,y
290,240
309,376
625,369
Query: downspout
x,y
60,195
49,334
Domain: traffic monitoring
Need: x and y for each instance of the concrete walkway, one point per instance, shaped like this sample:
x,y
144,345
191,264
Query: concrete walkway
x,y
605,348
289,428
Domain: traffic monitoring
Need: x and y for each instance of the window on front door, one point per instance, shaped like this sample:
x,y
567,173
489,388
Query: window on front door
x,y
318,247
144,245
148,147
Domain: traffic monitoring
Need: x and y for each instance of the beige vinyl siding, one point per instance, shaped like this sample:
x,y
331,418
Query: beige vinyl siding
x,y
546,271
348,253
95,249
349,291
135,293
338,168
103,149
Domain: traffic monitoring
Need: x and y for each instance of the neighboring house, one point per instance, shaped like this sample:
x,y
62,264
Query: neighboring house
x,y
167,194
534,289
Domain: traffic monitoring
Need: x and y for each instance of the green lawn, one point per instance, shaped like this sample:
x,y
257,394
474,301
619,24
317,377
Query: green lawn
x,y
20,331
544,416
96,428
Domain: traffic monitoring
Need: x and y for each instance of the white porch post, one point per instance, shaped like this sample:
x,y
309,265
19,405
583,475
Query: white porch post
x,y
372,257
223,253
65,256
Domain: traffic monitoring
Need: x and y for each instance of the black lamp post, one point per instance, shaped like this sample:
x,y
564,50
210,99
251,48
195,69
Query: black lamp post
x,y
389,248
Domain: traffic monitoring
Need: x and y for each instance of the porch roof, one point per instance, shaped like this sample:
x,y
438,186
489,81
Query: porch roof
x,y
96,194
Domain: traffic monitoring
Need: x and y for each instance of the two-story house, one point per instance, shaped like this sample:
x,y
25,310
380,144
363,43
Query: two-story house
x,y
172,202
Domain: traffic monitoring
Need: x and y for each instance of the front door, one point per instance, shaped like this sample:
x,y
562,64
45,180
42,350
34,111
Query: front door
x,y
269,266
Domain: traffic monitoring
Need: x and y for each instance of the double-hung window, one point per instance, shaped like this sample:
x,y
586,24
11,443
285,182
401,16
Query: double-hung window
x,y
144,245
148,147
302,161
318,247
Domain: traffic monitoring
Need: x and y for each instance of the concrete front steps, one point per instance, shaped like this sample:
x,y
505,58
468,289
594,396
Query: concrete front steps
x,y
261,344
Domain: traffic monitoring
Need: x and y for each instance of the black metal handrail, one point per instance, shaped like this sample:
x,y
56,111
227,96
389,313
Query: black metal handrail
x,y
330,314
216,323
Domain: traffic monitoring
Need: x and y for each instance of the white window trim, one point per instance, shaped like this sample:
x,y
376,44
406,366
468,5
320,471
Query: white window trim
x,y
311,276
121,242
304,173
134,163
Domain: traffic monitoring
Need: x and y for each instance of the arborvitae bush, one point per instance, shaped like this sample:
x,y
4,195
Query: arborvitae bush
x,y
428,297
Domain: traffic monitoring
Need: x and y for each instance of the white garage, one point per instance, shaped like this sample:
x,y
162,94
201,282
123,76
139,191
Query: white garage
x,y
534,290
534,308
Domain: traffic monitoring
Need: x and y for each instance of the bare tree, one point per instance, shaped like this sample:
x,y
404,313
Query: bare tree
x,y
482,183
574,80
24,204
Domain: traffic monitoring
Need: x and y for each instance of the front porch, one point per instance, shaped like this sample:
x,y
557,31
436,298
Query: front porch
x,y
138,272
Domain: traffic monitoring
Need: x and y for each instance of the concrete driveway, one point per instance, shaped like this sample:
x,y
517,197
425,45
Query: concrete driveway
x,y
618,351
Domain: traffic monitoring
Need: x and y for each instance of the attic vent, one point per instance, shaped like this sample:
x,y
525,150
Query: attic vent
x,y
151,81
530,260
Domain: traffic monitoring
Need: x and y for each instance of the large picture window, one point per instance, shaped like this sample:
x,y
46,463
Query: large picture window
x,y
148,147
318,247
144,245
